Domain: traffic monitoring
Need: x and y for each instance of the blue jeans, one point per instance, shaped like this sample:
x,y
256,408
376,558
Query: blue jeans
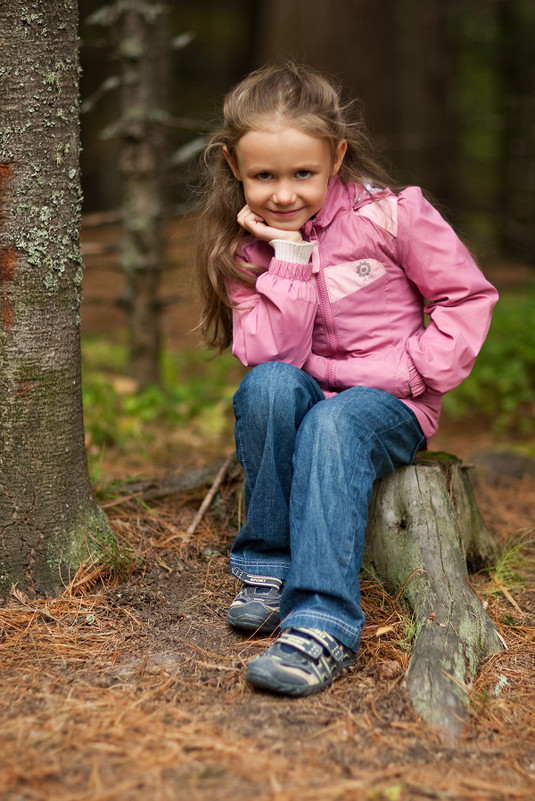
x,y
309,465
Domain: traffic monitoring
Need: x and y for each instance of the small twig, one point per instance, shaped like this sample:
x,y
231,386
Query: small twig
x,y
119,501
35,610
96,219
189,481
506,593
213,666
99,248
407,580
209,497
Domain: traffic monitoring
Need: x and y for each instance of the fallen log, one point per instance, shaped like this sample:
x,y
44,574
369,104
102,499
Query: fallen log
x,y
424,528
175,484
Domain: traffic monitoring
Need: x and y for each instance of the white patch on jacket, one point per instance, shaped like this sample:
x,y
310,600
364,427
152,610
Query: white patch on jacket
x,y
345,279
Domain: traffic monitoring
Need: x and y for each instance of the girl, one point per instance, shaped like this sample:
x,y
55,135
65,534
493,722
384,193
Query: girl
x,y
316,272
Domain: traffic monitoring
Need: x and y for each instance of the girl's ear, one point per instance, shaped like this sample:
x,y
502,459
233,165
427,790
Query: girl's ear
x,y
339,154
231,163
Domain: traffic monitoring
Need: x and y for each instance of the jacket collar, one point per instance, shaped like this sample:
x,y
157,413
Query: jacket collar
x,y
340,197
337,198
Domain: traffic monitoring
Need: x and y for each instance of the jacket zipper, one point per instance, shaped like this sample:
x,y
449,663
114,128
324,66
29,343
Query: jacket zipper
x,y
325,308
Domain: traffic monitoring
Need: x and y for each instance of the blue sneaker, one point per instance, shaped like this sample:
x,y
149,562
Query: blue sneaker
x,y
255,609
300,662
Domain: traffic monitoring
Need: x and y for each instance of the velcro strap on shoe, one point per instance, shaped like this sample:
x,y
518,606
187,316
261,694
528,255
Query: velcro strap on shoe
x,y
300,642
327,641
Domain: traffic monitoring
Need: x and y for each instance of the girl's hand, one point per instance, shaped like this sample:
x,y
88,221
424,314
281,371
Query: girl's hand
x,y
255,225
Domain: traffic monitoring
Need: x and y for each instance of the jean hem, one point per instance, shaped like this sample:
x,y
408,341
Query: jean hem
x,y
271,574
347,635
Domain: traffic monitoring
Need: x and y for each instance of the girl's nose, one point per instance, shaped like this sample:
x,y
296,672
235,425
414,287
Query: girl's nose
x,y
283,194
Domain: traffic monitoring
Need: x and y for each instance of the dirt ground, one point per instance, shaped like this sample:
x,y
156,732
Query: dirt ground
x,y
131,688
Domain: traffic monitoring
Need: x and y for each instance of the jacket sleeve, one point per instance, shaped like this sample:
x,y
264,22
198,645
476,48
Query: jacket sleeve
x,y
274,320
459,300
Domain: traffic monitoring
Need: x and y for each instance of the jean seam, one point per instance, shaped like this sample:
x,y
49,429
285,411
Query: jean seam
x,y
260,568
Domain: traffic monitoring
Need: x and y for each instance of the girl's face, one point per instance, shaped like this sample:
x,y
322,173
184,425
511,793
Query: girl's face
x,y
285,173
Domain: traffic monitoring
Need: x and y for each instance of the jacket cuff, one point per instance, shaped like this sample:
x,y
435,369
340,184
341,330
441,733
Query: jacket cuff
x,y
416,383
288,269
296,252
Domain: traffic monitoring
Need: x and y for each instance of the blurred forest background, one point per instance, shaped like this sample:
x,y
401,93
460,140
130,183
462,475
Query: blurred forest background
x,y
447,88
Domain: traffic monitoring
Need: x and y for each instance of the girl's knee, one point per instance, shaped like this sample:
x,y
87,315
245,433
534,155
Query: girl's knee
x,y
334,423
274,386
325,418
269,372
271,380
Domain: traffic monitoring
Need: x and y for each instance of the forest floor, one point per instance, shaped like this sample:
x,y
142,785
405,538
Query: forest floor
x,y
128,688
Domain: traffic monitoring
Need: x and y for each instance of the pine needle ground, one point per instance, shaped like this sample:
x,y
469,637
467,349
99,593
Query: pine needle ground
x,y
131,685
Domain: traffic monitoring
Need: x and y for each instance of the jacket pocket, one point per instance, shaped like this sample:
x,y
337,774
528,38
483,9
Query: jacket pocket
x,y
345,279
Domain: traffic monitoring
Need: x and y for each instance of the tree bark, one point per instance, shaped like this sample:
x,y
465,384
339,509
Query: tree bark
x,y
516,64
140,50
423,525
48,513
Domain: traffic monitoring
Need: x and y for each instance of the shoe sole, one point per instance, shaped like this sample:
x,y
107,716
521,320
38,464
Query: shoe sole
x,y
263,680
253,624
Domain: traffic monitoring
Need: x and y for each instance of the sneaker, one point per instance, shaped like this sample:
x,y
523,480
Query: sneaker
x,y
300,662
255,609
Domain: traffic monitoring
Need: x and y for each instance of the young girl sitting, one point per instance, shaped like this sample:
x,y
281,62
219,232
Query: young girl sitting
x,y
317,272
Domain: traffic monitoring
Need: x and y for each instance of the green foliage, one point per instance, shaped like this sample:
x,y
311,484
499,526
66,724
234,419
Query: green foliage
x,y
196,394
409,634
511,567
502,384
115,557
386,792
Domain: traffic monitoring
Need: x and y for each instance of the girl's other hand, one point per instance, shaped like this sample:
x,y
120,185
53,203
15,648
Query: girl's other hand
x,y
255,225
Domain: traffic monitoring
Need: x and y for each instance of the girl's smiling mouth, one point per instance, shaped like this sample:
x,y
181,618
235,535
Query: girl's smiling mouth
x,y
286,213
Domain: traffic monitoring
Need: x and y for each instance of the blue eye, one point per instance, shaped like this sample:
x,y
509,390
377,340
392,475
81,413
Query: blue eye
x,y
303,173
264,176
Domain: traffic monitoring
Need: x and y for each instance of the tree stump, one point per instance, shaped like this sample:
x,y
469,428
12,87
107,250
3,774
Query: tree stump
x,y
424,528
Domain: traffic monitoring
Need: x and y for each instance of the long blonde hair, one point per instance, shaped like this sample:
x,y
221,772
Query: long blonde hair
x,y
296,96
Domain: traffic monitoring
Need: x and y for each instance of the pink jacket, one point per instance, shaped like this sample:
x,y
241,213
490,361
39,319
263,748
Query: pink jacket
x,y
354,315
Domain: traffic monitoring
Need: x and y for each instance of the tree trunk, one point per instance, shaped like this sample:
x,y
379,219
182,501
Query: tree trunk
x,y
48,512
140,50
345,38
421,73
395,57
516,65
423,525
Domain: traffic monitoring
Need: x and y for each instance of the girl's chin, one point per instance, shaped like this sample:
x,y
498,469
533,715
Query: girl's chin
x,y
291,223
280,227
